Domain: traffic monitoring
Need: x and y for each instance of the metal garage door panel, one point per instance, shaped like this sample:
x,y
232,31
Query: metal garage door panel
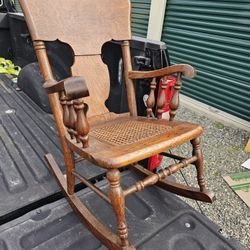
x,y
214,37
140,17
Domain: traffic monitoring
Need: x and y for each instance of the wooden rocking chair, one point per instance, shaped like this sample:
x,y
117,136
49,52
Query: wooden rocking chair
x,y
109,140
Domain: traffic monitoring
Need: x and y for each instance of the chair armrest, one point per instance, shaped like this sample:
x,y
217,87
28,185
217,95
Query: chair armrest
x,y
187,71
71,92
181,70
74,87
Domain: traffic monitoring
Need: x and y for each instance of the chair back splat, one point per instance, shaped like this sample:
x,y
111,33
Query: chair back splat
x,y
56,20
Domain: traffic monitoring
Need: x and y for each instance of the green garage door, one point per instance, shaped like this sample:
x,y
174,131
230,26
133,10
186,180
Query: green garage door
x,y
214,37
140,17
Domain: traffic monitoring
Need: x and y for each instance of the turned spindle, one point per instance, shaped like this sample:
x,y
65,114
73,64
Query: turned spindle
x,y
199,163
65,108
82,126
162,98
174,103
116,196
151,98
72,119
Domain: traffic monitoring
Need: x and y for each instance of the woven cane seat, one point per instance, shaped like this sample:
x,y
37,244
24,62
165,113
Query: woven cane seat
x,y
128,132
118,142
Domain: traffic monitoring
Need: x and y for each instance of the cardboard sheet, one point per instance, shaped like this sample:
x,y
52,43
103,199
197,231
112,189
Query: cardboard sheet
x,y
240,183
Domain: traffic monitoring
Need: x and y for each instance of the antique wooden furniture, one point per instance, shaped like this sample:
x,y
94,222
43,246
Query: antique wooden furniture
x,y
109,140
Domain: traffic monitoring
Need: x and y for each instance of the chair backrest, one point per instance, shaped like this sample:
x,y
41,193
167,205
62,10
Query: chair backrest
x,y
85,25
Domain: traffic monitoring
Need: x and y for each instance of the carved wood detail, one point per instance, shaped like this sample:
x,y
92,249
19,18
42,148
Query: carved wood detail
x,y
199,163
65,109
75,119
161,99
175,101
74,22
82,125
117,200
161,175
151,98
72,119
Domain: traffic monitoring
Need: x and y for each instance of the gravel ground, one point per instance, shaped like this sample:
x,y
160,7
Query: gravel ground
x,y
223,149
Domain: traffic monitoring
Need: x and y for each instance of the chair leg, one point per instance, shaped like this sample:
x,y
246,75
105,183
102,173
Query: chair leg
x,y
70,167
117,200
199,163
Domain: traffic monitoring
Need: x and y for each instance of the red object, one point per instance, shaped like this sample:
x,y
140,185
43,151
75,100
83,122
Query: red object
x,y
168,93
155,161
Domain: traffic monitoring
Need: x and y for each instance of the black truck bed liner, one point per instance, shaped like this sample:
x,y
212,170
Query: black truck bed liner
x,y
26,134
156,220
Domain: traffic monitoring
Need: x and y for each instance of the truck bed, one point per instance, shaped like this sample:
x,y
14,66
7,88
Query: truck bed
x,y
26,134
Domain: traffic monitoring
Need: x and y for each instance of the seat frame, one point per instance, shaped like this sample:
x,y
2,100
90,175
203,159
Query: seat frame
x,y
67,100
